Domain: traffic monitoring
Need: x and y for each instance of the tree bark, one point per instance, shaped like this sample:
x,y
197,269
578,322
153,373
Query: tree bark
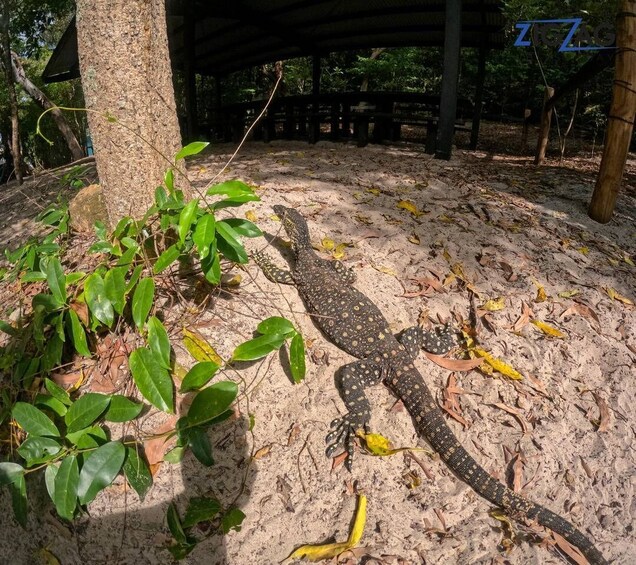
x,y
621,117
5,56
126,74
544,129
42,100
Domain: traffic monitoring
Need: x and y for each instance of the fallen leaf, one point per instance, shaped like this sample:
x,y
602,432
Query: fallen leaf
x,y
338,252
571,551
547,329
568,293
410,207
46,557
516,413
366,220
374,191
327,244
251,216
159,442
81,309
628,260
385,270
524,319
616,296
494,304
496,364
199,348
413,238
331,550
451,403
582,310
446,219
604,413
294,432
262,452
380,446
507,527
541,295
584,250
229,279
462,365
411,479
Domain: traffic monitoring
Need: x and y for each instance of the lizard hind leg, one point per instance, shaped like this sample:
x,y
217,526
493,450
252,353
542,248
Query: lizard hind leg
x,y
439,340
272,271
351,380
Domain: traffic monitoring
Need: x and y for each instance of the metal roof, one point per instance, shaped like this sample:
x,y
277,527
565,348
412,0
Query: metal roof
x,y
233,35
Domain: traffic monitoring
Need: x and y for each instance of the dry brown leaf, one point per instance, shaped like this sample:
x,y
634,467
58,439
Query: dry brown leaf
x,y
156,446
463,365
81,309
294,432
263,452
571,551
582,310
614,295
338,460
524,319
451,403
516,413
604,417
517,472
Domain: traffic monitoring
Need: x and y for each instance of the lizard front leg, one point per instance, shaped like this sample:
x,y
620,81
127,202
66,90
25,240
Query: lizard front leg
x,y
272,271
346,274
351,381
439,340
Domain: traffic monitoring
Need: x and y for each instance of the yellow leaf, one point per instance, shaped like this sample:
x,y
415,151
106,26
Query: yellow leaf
x,y
363,219
497,364
374,191
331,550
568,293
447,256
251,216
410,207
358,195
458,271
583,250
229,279
327,244
494,304
547,329
380,446
628,261
199,348
450,279
413,238
613,262
274,218
541,295
616,296
338,252
385,270
179,372
446,219
46,557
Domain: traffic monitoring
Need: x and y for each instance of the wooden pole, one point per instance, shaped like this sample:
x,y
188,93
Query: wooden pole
x,y
450,76
544,130
189,30
526,125
314,122
621,117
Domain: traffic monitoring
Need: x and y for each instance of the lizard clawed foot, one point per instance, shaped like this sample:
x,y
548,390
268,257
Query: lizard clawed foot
x,y
440,340
343,434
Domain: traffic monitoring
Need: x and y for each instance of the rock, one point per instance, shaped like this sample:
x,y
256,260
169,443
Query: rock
x,y
86,208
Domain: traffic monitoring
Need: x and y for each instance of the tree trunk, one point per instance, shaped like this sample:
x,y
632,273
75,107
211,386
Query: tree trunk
x,y
375,54
126,74
544,129
5,56
621,117
42,100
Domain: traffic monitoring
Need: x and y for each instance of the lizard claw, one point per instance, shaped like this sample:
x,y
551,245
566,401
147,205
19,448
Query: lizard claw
x,y
343,434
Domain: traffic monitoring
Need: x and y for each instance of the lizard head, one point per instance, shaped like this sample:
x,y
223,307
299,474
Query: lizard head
x,y
295,226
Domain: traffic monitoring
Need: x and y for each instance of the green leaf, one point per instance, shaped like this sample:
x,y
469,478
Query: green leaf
x,y
47,301
121,226
211,266
85,410
57,391
65,487
168,180
258,347
204,234
137,472
134,278
10,472
211,402
115,287
78,334
33,421
52,355
191,149
88,438
50,402
33,276
276,325
56,279
99,470
232,520
200,444
97,300
122,409
127,258
175,455
297,358
244,227
73,278
142,300
186,217
234,249
201,509
38,449
166,259
159,341
19,501
152,380
174,524
7,328
49,479
129,243
231,188
236,201
198,376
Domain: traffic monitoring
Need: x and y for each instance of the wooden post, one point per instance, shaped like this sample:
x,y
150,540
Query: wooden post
x,y
621,117
544,130
479,97
526,126
314,122
450,75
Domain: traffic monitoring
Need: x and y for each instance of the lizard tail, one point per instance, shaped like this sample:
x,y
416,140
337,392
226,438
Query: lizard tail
x,y
430,424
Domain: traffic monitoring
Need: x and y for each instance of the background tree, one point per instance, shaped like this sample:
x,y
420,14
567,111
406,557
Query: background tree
x,y
126,74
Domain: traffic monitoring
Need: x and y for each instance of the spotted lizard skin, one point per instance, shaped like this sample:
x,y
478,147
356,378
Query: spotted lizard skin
x,y
352,322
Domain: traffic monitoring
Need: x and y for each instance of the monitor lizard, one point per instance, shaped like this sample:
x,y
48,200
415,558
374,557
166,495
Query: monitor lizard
x,y
356,325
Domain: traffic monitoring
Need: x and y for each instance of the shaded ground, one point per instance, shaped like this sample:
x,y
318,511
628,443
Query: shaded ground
x,y
507,228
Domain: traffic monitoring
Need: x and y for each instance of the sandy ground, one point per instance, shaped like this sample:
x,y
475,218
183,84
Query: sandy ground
x,y
511,228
